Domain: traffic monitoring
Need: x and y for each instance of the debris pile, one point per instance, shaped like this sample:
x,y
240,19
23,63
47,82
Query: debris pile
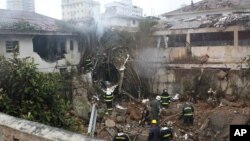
x,y
211,4
212,124
203,22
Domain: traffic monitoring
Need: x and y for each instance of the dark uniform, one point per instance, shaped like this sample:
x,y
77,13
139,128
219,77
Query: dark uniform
x,y
144,116
166,134
165,98
155,109
121,137
154,133
108,98
187,114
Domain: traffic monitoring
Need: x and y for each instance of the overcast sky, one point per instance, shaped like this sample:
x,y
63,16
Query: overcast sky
x,y
52,8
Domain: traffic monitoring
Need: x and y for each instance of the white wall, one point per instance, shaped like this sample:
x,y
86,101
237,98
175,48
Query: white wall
x,y
119,21
26,50
79,9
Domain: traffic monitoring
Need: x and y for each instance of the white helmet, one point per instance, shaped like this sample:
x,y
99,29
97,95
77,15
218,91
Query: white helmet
x,y
158,97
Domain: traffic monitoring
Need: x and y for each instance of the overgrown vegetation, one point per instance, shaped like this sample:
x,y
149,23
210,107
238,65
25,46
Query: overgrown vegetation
x,y
144,37
20,26
36,96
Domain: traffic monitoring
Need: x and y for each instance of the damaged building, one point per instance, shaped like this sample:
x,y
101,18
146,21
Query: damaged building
x,y
208,35
43,38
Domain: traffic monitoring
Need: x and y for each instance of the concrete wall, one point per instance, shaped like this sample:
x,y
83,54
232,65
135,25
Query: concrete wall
x,y
218,54
14,128
26,50
120,21
183,80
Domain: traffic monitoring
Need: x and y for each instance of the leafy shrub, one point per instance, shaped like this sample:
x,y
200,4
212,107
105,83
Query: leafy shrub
x,y
32,95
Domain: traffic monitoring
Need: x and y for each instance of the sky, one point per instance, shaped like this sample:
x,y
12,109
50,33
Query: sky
x,y
52,8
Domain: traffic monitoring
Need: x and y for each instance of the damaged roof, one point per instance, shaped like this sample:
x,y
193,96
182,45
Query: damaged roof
x,y
208,5
12,21
206,22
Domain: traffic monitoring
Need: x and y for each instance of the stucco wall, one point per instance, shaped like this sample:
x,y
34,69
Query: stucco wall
x,y
11,127
218,54
26,50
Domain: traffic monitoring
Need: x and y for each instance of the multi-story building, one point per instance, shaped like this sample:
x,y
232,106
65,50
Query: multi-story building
x,y
123,8
23,5
122,15
78,10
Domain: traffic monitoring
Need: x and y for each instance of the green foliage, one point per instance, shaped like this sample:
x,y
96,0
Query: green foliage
x,y
146,25
112,39
21,26
144,36
33,95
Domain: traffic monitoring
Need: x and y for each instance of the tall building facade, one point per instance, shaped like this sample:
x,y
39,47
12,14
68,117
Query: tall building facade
x,y
122,15
23,5
78,10
123,8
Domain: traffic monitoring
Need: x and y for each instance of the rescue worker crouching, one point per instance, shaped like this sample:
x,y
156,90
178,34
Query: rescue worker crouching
x,y
166,132
108,98
187,113
165,99
121,136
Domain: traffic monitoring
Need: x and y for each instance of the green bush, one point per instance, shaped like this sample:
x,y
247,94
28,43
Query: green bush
x,y
32,95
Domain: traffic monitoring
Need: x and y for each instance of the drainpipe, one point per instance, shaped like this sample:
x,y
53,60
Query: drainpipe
x,y
92,121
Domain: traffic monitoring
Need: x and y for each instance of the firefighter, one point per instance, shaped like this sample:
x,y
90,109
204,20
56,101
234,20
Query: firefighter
x,y
166,132
108,98
154,131
187,113
165,99
155,108
121,136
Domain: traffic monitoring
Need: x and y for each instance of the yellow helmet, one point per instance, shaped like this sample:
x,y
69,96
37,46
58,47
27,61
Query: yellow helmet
x,y
154,121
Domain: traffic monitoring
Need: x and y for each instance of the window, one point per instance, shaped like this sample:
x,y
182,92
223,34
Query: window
x,y
133,22
11,45
71,45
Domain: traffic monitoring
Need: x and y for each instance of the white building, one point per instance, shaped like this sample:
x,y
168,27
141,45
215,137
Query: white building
x,y
78,10
122,15
123,8
23,5
42,38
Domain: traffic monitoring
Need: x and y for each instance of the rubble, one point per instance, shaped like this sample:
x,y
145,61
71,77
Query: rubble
x,y
206,22
110,123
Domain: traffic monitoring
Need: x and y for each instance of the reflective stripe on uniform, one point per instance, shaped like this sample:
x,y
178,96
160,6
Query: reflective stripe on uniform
x,y
120,138
165,97
109,96
188,111
167,135
187,108
108,100
189,114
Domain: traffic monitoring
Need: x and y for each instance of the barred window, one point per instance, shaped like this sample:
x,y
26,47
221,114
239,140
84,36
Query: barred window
x,y
11,45
71,45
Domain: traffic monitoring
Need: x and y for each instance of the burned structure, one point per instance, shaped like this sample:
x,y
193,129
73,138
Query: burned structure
x,y
47,40
208,35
